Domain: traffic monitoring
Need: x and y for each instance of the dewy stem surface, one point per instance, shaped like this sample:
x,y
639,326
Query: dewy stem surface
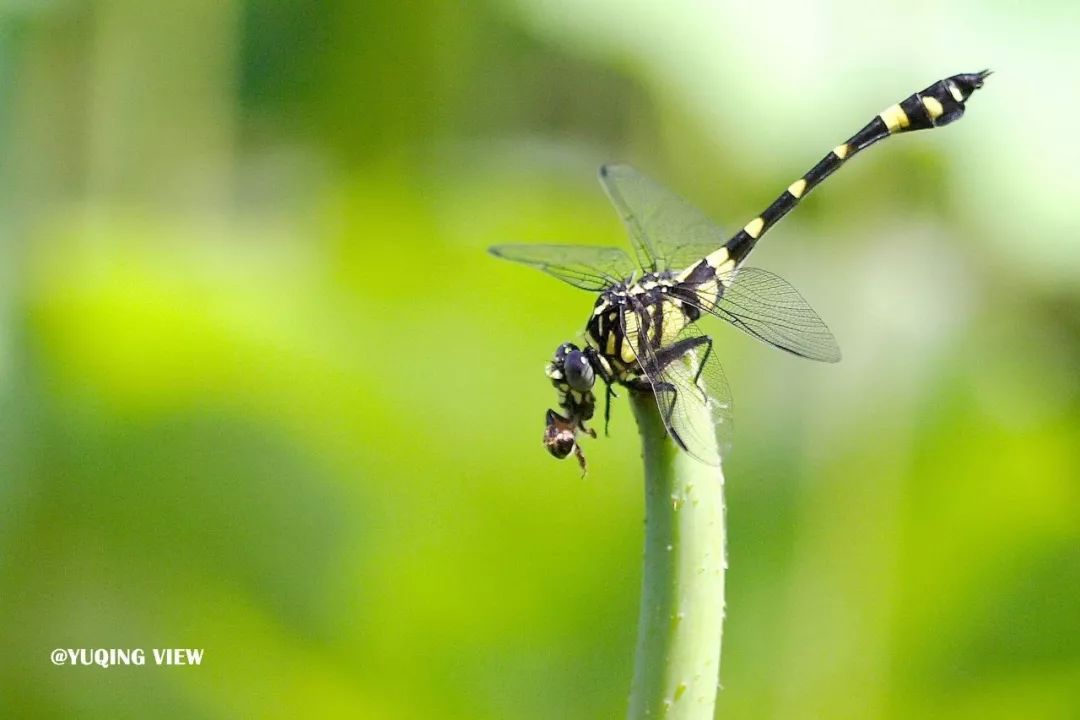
x,y
680,627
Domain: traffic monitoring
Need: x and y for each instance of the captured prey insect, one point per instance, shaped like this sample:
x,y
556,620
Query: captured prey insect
x,y
643,331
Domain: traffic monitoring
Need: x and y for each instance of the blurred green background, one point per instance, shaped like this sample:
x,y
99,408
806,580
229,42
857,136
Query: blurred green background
x,y
263,392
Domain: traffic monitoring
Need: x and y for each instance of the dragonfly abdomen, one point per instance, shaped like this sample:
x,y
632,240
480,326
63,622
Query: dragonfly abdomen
x,y
935,106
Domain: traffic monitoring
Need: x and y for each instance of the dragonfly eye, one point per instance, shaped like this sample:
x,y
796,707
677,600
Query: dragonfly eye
x,y
579,373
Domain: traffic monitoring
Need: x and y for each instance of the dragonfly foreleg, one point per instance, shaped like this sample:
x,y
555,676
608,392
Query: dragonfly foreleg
x,y
607,408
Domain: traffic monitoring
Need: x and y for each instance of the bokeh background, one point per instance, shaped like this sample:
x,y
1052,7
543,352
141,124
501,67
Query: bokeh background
x,y
263,392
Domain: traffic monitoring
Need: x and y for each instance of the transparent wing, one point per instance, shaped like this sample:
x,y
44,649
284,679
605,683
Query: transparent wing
x,y
585,267
690,388
767,307
666,231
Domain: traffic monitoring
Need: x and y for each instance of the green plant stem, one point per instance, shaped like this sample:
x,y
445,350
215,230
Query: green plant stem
x,y
680,628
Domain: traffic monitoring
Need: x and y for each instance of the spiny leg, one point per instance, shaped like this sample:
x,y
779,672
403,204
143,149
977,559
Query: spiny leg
x,y
671,353
603,371
667,394
667,408
670,383
708,343
609,393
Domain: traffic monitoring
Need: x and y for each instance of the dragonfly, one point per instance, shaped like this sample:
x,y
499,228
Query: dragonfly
x,y
643,333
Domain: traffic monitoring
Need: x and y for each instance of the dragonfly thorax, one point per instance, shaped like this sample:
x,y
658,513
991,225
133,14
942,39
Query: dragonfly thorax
x,y
630,314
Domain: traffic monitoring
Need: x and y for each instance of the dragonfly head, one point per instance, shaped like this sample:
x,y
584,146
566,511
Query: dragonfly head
x,y
571,371
578,370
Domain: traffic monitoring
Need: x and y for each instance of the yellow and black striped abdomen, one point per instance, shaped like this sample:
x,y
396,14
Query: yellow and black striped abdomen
x,y
937,105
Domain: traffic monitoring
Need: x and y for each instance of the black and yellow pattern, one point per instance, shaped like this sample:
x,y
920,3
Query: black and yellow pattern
x,y
643,333
936,106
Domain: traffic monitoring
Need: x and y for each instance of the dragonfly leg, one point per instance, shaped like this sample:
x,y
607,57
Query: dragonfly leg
x,y
704,361
668,355
607,407
667,408
603,370
667,394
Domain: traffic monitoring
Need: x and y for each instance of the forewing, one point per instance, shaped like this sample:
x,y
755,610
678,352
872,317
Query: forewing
x,y
585,267
691,392
666,231
767,307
